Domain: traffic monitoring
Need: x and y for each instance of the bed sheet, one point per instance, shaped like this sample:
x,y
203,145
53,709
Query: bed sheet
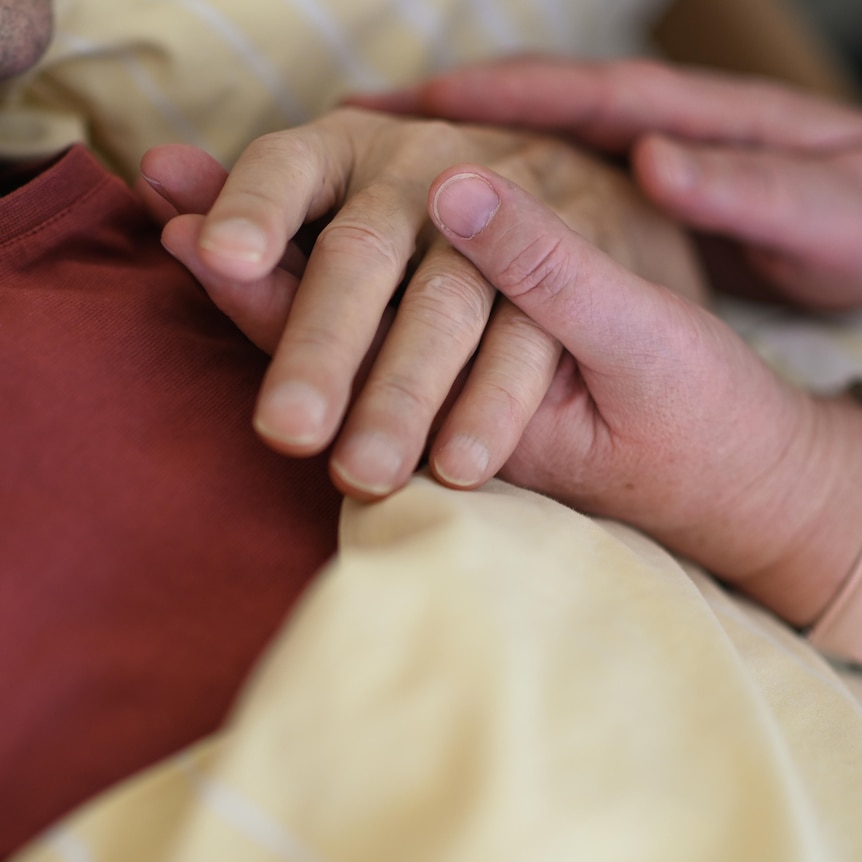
x,y
493,676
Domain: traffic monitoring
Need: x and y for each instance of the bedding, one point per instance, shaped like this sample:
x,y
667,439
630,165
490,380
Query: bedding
x,y
493,676
451,689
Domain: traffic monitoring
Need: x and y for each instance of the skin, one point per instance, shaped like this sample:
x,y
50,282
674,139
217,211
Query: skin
x,y
648,390
661,416
656,412
775,170
25,31
456,370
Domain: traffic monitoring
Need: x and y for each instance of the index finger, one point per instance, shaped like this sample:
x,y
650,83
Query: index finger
x,y
279,182
611,104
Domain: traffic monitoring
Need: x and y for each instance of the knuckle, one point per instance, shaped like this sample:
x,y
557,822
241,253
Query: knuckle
x,y
512,404
420,149
525,370
528,340
285,159
441,136
543,269
454,304
546,167
327,346
292,148
263,204
363,243
401,394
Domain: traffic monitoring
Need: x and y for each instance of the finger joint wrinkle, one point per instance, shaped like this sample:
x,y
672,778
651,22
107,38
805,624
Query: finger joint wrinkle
x,y
543,267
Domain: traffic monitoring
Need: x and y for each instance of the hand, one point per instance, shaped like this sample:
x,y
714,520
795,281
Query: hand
x,y
660,415
775,169
367,177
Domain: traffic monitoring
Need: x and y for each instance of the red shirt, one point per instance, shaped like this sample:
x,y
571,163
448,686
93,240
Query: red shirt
x,y
150,544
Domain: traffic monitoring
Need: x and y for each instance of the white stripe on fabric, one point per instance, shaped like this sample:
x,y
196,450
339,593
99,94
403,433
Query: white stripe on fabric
x,y
427,19
247,818
338,43
170,113
68,846
273,80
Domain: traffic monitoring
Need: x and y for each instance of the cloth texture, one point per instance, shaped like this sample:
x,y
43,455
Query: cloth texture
x,y
479,675
489,675
124,75
151,543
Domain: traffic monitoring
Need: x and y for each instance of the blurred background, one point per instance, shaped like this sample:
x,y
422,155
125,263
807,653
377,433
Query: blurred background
x,y
841,22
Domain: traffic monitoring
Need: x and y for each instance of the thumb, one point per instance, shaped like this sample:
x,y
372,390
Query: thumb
x,y
609,319
259,307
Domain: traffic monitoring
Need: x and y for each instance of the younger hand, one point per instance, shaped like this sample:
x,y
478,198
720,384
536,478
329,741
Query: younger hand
x,y
659,414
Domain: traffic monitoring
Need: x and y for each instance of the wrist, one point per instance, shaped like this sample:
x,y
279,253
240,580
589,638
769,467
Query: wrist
x,y
811,516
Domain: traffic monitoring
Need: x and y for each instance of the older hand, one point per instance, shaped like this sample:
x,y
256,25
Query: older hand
x,y
775,169
659,414
364,178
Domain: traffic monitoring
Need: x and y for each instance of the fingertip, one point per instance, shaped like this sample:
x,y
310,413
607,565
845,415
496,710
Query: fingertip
x,y
368,465
292,416
172,164
186,176
666,169
150,161
181,231
462,462
235,248
151,192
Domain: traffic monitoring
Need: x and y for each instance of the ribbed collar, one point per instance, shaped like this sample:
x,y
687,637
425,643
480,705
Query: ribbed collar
x,y
55,191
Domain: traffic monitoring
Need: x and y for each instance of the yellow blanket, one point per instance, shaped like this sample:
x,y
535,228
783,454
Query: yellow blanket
x,y
491,676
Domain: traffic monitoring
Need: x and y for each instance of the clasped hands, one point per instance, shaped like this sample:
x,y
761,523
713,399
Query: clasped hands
x,y
545,328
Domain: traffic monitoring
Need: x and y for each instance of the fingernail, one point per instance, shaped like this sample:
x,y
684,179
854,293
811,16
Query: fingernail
x,y
465,204
462,462
292,413
237,239
677,167
375,463
152,183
